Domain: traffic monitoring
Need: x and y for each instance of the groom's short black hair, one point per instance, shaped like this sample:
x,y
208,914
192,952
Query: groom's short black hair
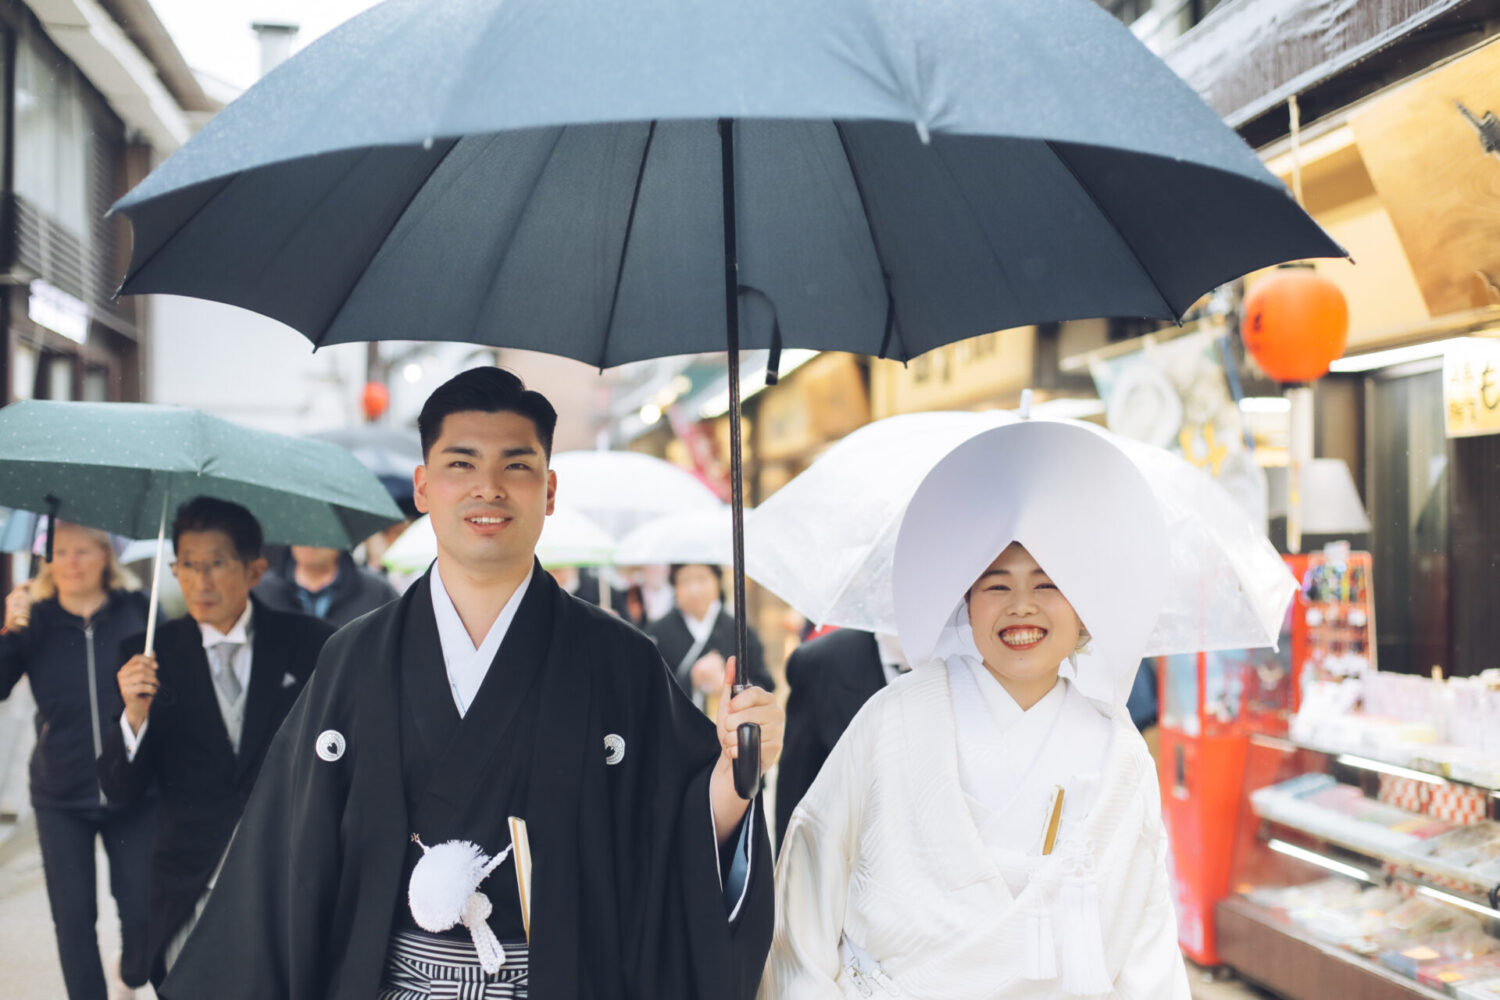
x,y
485,390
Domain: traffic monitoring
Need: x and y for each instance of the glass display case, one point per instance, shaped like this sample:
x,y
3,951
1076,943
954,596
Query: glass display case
x,y
1359,876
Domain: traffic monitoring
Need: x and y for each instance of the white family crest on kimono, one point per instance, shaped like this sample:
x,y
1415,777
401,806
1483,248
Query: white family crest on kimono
x,y
884,853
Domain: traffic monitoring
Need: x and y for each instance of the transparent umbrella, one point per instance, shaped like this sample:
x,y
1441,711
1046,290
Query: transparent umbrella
x,y
697,536
827,540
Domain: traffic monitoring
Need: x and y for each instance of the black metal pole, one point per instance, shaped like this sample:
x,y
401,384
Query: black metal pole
x,y
747,765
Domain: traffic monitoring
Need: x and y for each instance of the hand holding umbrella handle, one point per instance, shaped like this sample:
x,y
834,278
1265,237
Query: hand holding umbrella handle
x,y
747,764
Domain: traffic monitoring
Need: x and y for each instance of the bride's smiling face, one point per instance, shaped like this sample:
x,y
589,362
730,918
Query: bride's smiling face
x,y
1023,625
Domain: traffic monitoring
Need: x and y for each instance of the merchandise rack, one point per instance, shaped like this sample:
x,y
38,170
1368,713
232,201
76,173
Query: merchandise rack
x,y
1277,846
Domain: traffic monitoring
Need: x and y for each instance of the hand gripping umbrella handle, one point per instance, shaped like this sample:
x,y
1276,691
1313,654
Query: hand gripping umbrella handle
x,y
747,764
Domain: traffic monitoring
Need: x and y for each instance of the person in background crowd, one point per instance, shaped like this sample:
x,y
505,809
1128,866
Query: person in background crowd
x,y
324,583
1142,700
657,597
199,715
829,679
62,632
696,637
586,585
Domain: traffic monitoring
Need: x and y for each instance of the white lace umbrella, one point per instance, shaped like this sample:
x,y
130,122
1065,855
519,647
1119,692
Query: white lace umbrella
x,y
828,538
568,539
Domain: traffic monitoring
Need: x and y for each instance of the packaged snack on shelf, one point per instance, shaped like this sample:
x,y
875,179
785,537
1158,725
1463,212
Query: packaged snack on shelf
x,y
1487,990
1453,975
1462,940
1474,848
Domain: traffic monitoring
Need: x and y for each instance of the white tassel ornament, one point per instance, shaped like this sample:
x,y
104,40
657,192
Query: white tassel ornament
x,y
1081,946
444,892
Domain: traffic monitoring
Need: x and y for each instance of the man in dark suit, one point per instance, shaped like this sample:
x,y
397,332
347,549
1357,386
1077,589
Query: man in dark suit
x,y
696,637
830,678
200,714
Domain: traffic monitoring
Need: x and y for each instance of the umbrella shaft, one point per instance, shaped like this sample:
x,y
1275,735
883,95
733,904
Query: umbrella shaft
x,y
736,451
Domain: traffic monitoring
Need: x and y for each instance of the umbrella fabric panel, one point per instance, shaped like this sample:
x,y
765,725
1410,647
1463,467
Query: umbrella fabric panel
x,y
604,242
113,465
478,66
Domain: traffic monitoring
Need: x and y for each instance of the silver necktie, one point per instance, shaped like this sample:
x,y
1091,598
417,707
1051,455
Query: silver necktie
x,y
222,654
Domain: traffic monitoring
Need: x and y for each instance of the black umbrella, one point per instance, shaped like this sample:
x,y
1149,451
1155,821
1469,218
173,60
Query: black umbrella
x,y
625,180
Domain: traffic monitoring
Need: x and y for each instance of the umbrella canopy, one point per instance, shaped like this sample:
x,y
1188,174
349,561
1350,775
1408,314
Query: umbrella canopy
x,y
568,539
827,539
697,536
119,466
898,176
389,452
622,490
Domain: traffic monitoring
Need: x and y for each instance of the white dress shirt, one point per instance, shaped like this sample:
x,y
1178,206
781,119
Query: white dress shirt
x,y
701,628
467,664
242,632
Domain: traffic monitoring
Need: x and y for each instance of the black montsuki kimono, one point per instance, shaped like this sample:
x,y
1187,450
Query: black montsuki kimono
x,y
627,899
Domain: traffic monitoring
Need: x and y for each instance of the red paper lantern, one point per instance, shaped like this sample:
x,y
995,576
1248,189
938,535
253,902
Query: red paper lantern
x,y
1296,324
375,399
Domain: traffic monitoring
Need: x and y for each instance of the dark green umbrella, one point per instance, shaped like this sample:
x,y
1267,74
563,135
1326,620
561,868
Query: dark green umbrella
x,y
119,467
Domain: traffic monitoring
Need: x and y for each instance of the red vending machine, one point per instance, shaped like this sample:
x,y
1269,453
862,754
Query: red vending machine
x,y
1210,704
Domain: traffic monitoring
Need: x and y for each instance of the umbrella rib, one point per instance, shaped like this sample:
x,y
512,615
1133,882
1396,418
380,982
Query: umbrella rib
x,y
635,200
885,274
379,245
1084,187
130,275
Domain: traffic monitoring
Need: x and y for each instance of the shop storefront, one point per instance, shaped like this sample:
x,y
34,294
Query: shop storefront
x,y
1335,803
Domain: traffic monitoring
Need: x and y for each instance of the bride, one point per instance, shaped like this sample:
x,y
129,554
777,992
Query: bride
x,y
990,825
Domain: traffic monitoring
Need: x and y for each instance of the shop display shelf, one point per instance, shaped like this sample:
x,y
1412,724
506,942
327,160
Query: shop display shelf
x,y
1365,759
1485,892
1272,952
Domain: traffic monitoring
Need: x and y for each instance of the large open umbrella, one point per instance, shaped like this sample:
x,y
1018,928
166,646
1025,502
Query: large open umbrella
x,y
625,180
120,466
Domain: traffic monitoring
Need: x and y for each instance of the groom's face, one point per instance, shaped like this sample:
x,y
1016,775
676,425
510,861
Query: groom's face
x,y
488,490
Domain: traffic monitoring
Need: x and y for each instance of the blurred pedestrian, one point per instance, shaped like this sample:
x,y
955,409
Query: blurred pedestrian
x,y
696,637
325,583
828,679
62,632
199,715
656,592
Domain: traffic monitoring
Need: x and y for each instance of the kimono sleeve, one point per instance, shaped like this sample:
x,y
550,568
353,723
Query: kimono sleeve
x,y
682,937
1155,969
812,875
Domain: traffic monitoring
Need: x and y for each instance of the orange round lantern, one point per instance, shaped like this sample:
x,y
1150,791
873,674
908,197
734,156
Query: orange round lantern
x,y
375,399
1296,324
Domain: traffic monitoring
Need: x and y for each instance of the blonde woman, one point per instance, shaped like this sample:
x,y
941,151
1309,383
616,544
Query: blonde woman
x,y
63,632
989,826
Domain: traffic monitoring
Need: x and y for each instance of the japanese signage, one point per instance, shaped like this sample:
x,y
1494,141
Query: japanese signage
x,y
1471,387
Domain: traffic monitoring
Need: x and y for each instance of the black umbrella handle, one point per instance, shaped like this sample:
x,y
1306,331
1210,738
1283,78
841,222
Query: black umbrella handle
x,y
747,764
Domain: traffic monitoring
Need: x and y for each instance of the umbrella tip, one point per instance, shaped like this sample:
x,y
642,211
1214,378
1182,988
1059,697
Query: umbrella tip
x,y
923,134
1024,410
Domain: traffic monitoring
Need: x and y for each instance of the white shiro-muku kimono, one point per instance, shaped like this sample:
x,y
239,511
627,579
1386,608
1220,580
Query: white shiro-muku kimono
x,y
913,866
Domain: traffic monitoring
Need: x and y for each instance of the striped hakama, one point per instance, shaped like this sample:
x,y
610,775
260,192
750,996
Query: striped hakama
x,y
422,966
